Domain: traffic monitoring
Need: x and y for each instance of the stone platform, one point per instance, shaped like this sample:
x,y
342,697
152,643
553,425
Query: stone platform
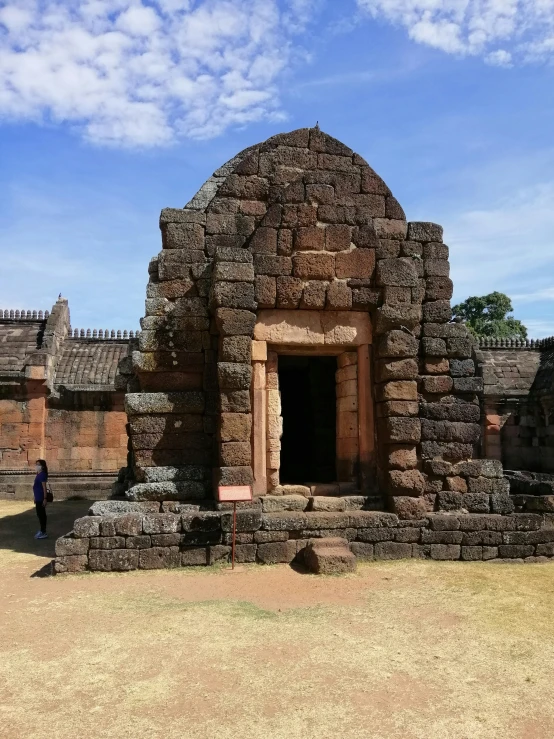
x,y
152,535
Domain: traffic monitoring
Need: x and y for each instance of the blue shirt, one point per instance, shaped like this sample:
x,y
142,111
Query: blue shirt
x,y
38,490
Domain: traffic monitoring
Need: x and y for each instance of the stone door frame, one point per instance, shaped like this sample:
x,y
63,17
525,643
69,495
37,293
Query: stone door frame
x,y
316,333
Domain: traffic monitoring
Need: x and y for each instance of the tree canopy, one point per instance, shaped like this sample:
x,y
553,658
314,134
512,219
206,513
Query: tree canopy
x,y
488,316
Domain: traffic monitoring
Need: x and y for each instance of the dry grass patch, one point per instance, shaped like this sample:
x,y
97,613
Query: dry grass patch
x,y
412,649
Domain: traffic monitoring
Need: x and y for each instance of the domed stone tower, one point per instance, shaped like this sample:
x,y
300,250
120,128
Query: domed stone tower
x,y
297,338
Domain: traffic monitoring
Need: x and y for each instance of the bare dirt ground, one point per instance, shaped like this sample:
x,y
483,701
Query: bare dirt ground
x,y
417,650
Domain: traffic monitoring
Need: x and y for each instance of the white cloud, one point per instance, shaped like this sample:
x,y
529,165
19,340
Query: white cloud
x,y
142,72
499,30
508,247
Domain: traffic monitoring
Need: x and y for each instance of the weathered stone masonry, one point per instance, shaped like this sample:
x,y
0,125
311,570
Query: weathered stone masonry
x,y
61,398
297,247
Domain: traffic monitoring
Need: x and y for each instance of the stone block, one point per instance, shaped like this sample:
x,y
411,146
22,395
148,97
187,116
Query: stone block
x,y
357,263
472,553
439,384
66,546
441,537
424,232
376,535
325,503
311,238
277,503
84,528
408,508
501,503
129,525
407,482
314,295
476,502
480,538
402,369
398,272
138,542
397,295
235,322
265,291
330,556
234,476
276,552
463,348
194,556
462,367
235,454
443,522
266,537
233,272
248,520
338,238
245,553
264,241
362,551
468,384
113,560
449,501
339,296
314,266
325,520
445,551
438,288
398,343
161,523
371,519
393,550
437,311
434,347
397,390
401,430
275,266
403,316
157,491
71,563
107,542
219,554
236,427
235,401
234,376
515,551
436,267
389,228
456,484
289,292
284,521
402,457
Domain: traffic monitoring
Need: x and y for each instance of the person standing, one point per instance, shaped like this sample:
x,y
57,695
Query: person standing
x,y
39,493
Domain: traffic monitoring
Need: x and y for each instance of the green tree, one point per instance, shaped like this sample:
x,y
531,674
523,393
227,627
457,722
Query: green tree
x,y
488,316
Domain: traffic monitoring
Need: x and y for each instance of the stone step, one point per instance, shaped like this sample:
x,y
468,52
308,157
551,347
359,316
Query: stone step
x,y
329,556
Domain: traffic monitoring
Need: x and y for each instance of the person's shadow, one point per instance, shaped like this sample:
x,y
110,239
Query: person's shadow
x,y
17,530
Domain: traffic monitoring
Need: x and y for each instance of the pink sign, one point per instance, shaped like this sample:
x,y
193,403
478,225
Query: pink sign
x,y
232,493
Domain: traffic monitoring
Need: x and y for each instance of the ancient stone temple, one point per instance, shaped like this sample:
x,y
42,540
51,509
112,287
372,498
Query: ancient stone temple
x,y
297,338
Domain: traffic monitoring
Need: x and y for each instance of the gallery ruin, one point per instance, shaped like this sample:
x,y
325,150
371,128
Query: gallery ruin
x,y
297,338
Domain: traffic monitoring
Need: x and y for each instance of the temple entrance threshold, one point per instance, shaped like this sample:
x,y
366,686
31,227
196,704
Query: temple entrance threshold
x,y
308,400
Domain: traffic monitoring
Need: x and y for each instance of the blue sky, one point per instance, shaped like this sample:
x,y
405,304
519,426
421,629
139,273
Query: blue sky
x,y
110,111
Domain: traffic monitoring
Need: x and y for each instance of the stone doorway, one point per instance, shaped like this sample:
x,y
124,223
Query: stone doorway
x,y
307,387
335,346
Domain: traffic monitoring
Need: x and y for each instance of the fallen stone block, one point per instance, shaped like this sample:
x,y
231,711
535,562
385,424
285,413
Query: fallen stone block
x,y
329,556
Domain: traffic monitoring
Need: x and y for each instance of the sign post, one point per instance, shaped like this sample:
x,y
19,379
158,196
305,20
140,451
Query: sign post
x,y
234,494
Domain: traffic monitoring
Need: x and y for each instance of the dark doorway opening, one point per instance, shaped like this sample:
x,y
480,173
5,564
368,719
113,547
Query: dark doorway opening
x,y
308,403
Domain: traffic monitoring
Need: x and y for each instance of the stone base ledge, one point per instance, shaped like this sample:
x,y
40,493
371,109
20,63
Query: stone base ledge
x,y
154,540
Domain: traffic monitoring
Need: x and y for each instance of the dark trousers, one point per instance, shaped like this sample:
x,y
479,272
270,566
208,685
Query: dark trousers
x,y
41,513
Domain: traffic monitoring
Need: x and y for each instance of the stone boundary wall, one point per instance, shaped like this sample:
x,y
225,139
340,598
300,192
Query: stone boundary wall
x,y
156,540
